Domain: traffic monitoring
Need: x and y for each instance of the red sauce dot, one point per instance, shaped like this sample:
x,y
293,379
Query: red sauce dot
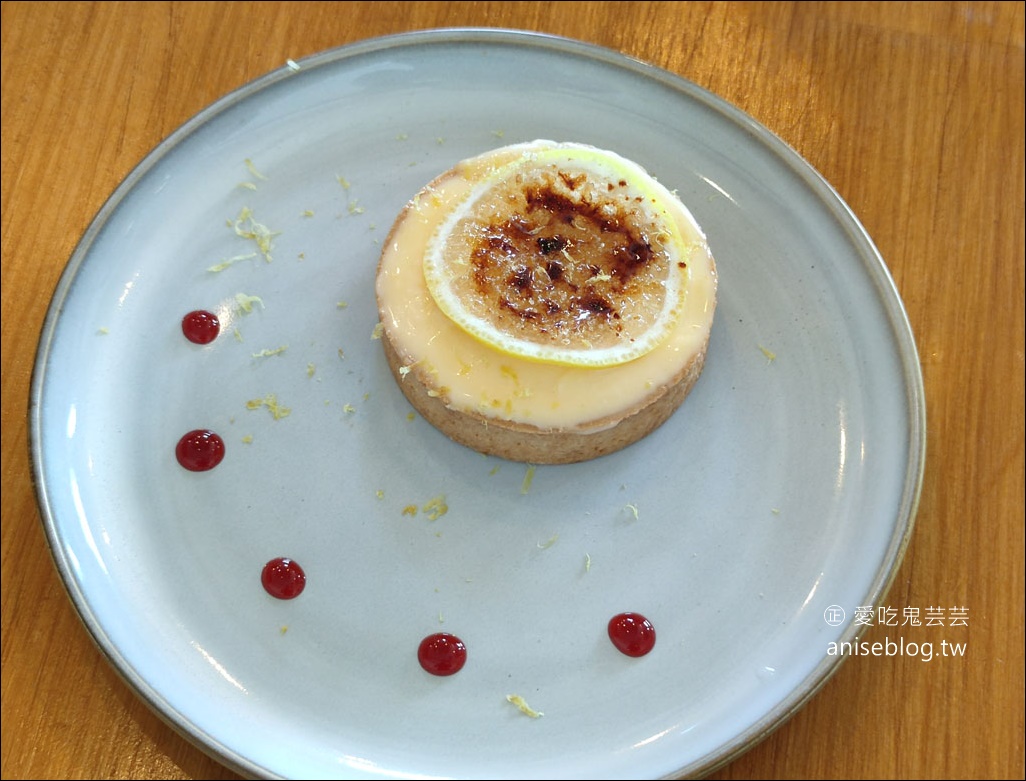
x,y
201,327
632,634
282,578
200,450
442,654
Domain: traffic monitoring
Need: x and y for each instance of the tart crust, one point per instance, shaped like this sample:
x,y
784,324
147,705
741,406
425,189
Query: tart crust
x,y
484,428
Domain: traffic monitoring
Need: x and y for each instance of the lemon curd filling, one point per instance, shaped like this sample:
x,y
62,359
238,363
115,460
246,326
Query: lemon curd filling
x,y
548,386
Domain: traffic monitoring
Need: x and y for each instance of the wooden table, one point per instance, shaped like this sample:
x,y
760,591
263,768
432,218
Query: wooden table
x,y
913,111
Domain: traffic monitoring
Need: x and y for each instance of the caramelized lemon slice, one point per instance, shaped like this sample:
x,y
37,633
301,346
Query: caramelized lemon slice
x,y
566,255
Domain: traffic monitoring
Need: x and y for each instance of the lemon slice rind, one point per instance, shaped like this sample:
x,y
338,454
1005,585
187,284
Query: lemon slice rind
x,y
660,207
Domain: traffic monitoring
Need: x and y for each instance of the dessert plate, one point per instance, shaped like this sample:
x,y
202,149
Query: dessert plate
x,y
779,496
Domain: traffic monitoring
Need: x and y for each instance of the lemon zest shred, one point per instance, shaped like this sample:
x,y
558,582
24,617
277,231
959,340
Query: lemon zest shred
x,y
217,267
248,228
523,707
252,169
549,542
245,302
270,401
525,486
269,353
277,411
435,508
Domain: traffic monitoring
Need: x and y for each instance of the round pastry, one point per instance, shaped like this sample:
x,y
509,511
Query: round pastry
x,y
546,302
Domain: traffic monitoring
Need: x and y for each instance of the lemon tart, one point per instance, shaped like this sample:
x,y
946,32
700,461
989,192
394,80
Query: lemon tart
x,y
546,302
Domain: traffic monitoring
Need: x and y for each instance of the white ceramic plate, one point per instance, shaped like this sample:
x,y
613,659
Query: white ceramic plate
x,y
780,488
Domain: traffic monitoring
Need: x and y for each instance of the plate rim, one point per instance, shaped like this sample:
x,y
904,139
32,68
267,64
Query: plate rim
x,y
529,41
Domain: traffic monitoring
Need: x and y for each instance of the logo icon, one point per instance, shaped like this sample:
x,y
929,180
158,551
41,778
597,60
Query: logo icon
x,y
834,615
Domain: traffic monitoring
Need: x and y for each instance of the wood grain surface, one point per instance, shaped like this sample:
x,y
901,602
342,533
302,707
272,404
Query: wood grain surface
x,y
914,112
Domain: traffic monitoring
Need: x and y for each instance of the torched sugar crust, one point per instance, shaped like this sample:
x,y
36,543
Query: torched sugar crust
x,y
512,407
